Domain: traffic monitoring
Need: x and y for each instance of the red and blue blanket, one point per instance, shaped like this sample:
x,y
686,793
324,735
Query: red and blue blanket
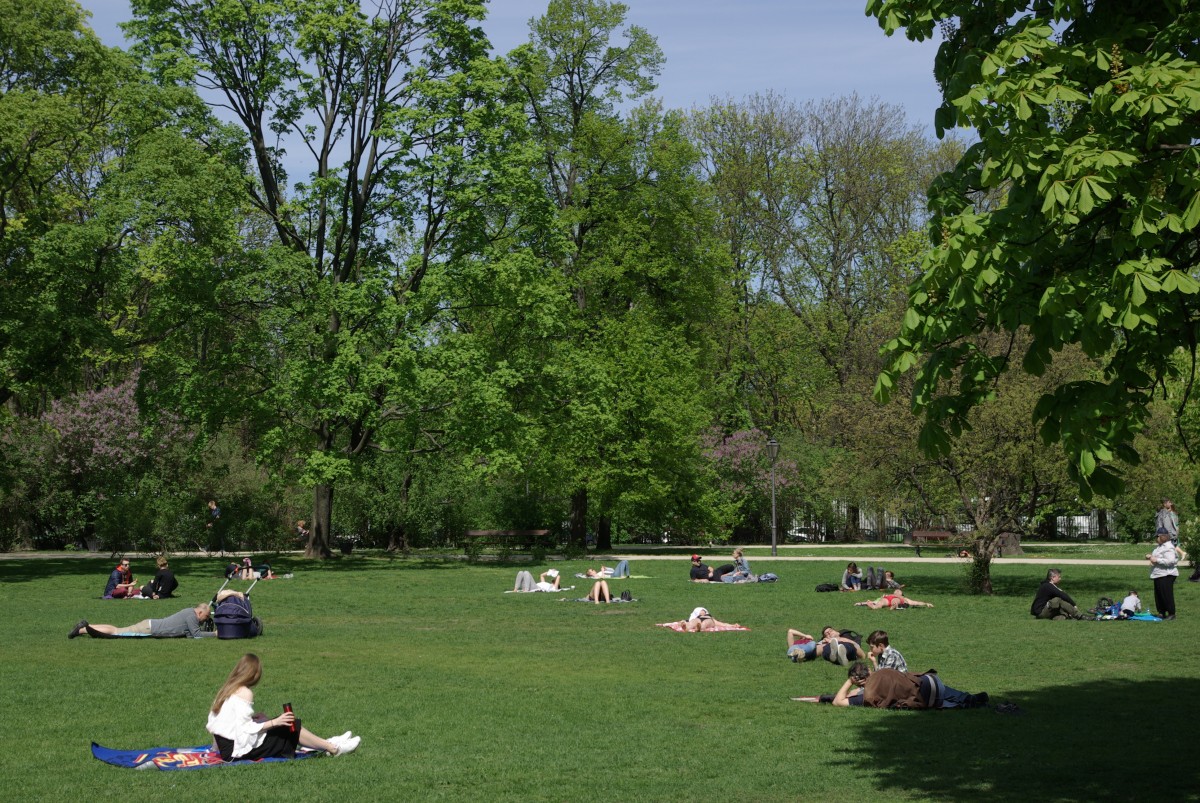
x,y
178,758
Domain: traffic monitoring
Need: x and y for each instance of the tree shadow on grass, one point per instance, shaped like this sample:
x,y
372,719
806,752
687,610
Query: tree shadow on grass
x,y
1084,584
1100,740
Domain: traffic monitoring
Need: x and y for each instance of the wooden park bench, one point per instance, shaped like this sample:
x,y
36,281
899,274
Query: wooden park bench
x,y
507,539
932,536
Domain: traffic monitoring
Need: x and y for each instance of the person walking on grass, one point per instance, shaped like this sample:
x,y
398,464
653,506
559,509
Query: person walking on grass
x,y
1167,521
241,733
1051,602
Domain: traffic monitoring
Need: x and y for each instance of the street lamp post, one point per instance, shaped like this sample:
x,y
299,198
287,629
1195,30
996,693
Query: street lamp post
x,y
773,452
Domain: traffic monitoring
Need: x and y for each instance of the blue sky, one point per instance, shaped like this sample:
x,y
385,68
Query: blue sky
x,y
803,49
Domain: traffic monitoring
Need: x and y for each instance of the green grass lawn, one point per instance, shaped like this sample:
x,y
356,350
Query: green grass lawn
x,y
463,692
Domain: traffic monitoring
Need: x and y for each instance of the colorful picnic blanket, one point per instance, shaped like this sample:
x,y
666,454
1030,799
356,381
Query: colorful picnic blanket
x,y
178,758
681,627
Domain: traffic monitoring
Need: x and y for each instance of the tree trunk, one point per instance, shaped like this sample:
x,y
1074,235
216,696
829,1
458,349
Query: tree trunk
x,y
320,538
579,504
604,534
398,540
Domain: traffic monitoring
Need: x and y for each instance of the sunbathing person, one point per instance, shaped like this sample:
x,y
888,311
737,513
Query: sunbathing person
x,y
893,601
177,625
600,592
836,648
701,620
887,688
801,646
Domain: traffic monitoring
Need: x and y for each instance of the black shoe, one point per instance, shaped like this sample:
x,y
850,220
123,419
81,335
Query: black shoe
x,y
79,626
1168,617
978,700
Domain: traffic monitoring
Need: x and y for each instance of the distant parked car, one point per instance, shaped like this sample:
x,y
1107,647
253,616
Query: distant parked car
x,y
798,535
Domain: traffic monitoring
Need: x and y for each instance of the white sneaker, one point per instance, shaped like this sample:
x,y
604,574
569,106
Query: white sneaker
x,y
343,737
349,745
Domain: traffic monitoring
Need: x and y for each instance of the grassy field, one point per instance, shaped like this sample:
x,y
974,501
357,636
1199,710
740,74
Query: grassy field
x,y
463,692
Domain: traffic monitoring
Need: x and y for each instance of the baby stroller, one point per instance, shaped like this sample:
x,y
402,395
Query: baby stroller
x,y
233,617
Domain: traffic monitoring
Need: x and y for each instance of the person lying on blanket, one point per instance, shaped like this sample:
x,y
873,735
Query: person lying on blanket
x,y
241,733
700,620
177,625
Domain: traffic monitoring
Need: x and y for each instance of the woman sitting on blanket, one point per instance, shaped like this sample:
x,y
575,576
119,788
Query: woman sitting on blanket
x,y
741,569
893,601
241,733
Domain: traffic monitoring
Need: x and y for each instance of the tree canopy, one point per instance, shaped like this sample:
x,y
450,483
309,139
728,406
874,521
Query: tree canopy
x,y
1087,115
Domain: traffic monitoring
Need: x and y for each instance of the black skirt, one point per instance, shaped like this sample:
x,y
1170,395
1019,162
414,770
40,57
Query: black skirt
x,y
278,742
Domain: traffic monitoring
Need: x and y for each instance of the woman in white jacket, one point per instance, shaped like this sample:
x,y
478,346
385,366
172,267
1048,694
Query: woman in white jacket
x,y
1164,561
241,733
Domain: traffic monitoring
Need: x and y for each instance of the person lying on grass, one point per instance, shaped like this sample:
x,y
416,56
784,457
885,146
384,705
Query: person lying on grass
x,y
600,592
836,648
887,688
801,646
893,601
177,625
703,573
241,733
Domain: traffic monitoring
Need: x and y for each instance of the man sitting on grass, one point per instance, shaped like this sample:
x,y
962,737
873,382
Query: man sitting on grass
x,y
887,688
177,625
1051,602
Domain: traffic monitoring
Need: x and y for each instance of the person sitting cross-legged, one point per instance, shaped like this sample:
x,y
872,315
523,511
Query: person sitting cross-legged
x,y
1051,602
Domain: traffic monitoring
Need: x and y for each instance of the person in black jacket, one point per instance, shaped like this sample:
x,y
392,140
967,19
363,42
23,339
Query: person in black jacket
x,y
1051,602
164,583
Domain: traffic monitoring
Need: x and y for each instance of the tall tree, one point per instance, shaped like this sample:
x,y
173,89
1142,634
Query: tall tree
x,y
392,121
624,407
1087,115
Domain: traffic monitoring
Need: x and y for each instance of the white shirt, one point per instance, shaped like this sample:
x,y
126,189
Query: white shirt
x,y
235,721
1165,558
1131,603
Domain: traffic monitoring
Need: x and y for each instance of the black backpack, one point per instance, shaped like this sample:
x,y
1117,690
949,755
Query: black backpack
x,y
827,587
853,636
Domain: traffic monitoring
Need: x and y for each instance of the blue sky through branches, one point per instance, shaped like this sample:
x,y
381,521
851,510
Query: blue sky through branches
x,y
803,49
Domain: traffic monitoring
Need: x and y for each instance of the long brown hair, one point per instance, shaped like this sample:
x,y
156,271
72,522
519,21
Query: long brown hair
x,y
247,672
